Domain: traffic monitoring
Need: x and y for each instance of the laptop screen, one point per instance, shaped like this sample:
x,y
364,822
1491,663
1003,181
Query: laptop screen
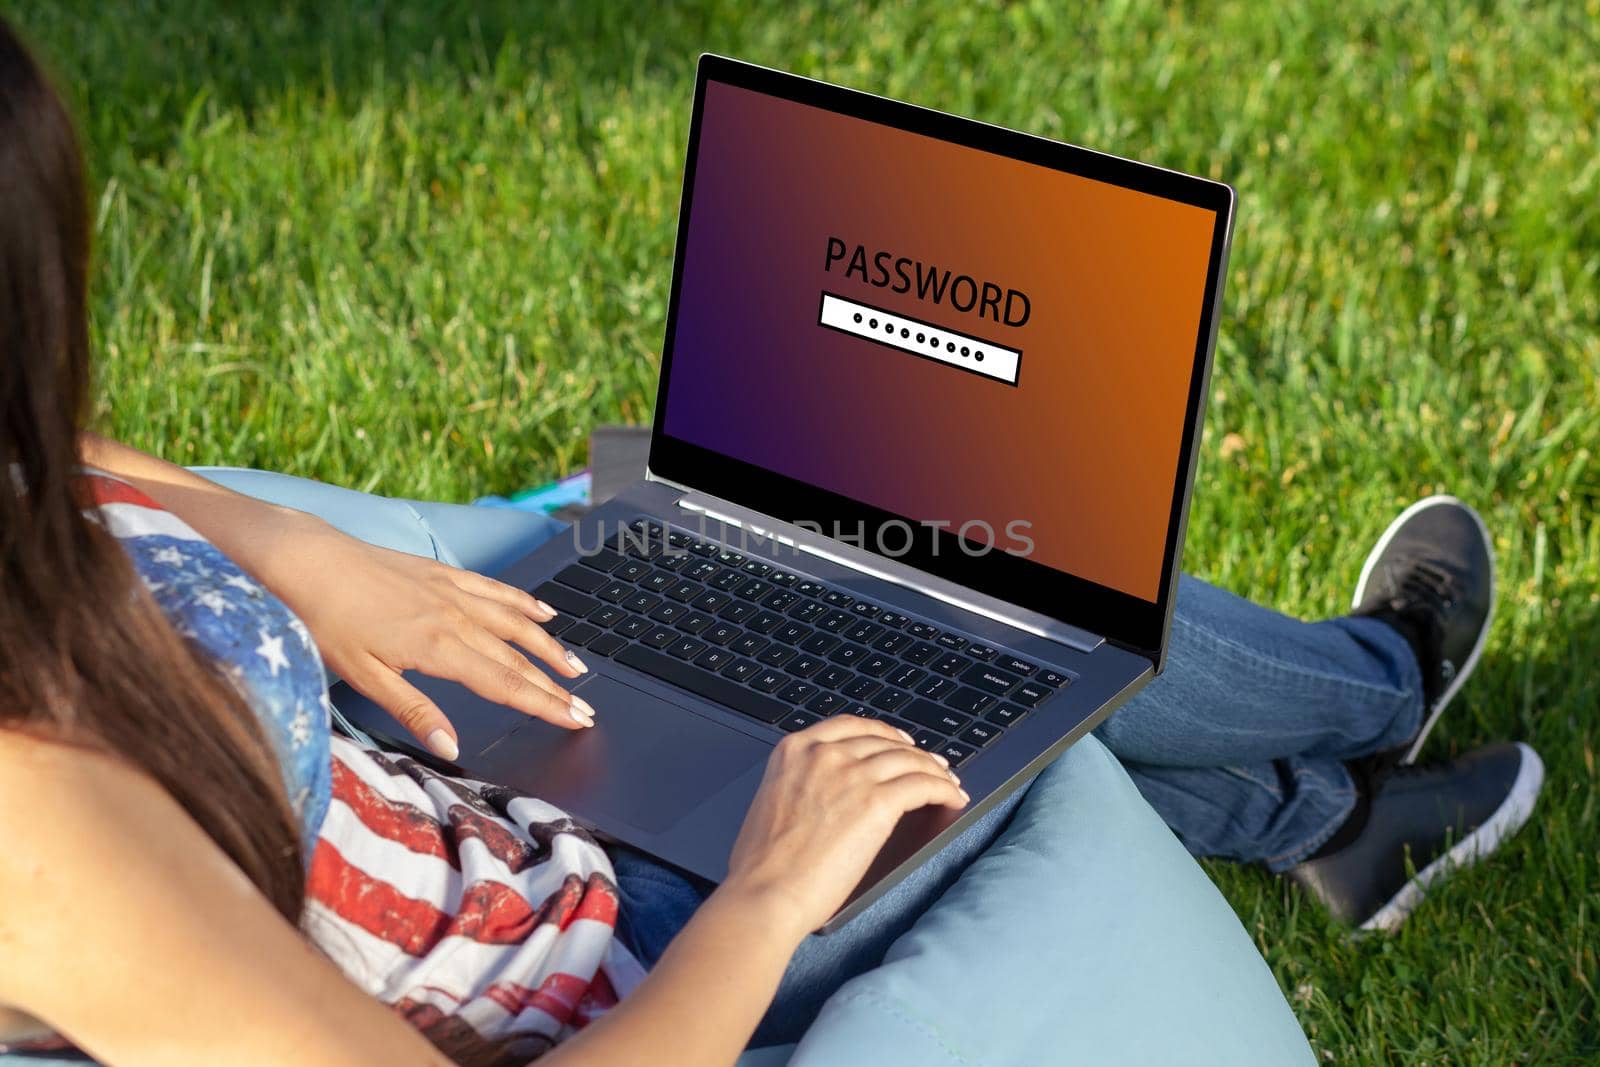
x,y
996,349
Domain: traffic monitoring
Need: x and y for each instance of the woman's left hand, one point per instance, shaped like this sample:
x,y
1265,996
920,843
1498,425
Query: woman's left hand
x,y
376,613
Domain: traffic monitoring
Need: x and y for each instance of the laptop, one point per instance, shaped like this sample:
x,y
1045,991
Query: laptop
x,y
923,448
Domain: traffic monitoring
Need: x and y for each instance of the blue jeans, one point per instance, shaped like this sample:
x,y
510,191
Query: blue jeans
x,y
1238,744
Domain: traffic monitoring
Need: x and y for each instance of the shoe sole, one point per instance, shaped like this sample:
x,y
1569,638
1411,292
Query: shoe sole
x,y
1466,668
1507,819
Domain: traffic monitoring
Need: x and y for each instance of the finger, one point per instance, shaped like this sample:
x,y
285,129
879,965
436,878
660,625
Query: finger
x,y
511,687
840,727
867,745
896,760
509,625
487,644
501,593
421,717
908,792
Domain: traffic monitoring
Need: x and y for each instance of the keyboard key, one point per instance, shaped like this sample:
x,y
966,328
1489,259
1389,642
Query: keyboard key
x,y
893,620
861,688
1015,665
641,602
658,581
603,560
738,611
606,644
776,655
921,652
667,611
980,733
890,699
1007,715
685,591
797,692
1028,694
826,703
935,687
862,631
714,687
702,548
891,642
1054,679
726,579
695,621
615,592
557,624
672,561
810,589
580,634
757,568
905,677
632,628
955,753
950,663
580,578
983,652
769,680
630,571
807,610
798,720
805,666
713,659
969,700
931,715
679,539
837,599
848,655
833,677
741,670
686,647
876,665
781,600
783,578
987,678
712,601
834,621
865,610
860,711
952,641
566,601
728,557
790,633
763,622
819,643
750,644
699,570
719,634
607,617
923,630
661,637
754,589
927,739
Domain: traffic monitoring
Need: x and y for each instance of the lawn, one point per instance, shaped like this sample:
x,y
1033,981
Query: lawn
x,y
421,247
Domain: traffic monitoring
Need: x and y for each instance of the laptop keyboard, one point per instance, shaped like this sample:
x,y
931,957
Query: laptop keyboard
x,y
786,649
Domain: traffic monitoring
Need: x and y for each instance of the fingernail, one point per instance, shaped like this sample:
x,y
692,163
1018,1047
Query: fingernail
x,y
905,735
964,798
546,608
582,712
942,761
575,663
441,744
954,777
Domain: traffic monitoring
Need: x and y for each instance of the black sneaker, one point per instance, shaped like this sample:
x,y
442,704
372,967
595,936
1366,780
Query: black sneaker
x,y
1415,826
1431,576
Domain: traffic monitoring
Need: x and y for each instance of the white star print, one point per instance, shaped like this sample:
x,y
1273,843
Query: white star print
x,y
213,600
300,728
241,583
170,556
271,650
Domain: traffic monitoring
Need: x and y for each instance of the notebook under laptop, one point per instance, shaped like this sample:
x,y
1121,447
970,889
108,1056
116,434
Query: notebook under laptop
x,y
923,447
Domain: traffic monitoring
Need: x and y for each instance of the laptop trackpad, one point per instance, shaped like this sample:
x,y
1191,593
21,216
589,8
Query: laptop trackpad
x,y
646,762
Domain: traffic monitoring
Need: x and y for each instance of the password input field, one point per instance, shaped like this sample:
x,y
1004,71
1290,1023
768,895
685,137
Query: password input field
x,y
906,334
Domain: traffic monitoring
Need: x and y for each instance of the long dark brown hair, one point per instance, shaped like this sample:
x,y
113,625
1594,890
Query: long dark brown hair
x,y
86,656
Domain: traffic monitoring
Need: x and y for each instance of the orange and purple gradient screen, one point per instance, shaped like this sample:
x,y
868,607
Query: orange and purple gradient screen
x,y
1084,299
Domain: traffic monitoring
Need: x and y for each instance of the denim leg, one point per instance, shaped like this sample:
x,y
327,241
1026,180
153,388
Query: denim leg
x,y
1240,743
1244,684
657,901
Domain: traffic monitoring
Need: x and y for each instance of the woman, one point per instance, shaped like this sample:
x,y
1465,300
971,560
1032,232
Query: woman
x,y
171,777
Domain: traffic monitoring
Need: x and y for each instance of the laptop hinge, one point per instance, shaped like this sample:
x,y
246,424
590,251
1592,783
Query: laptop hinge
x,y
869,563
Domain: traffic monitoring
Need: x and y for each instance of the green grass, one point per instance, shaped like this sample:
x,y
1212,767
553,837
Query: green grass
x,y
421,251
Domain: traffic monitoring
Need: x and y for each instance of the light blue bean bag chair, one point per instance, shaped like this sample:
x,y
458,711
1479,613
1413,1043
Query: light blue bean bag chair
x,y
1085,935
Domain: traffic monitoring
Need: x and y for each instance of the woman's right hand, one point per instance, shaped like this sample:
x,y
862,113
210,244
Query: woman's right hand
x,y
829,799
